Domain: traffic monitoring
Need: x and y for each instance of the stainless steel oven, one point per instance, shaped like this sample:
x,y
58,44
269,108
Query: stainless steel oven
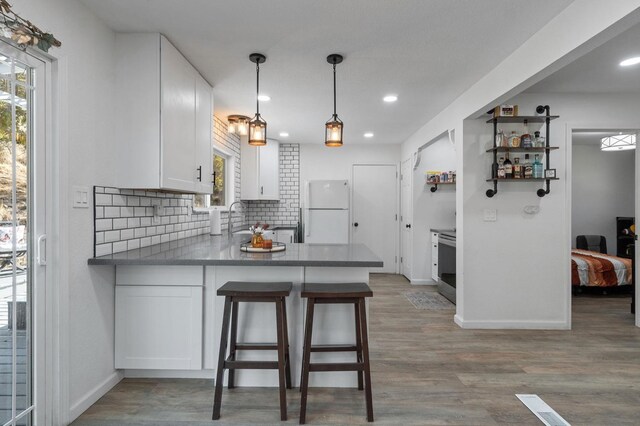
x,y
447,265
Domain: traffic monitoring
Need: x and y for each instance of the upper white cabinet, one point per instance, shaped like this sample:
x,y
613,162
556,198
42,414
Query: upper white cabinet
x,y
164,117
260,168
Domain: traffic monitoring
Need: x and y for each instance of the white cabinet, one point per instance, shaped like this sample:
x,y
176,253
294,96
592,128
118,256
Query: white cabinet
x,y
159,318
286,236
260,168
163,117
434,256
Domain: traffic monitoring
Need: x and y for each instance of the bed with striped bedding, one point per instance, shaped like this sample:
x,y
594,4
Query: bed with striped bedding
x,y
594,269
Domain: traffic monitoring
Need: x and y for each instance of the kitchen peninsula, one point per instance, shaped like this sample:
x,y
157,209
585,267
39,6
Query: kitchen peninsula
x,y
168,317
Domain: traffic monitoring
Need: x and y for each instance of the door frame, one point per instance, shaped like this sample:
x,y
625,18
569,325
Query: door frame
x,y
397,206
402,213
45,362
569,129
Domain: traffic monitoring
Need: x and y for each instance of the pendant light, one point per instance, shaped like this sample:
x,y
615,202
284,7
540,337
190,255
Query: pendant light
x,y
333,127
238,125
257,126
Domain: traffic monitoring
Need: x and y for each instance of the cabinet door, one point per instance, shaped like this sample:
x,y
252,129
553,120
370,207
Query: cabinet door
x,y
204,141
269,169
249,184
158,327
178,118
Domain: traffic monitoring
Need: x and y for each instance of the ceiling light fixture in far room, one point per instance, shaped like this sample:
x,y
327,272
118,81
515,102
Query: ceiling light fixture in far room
x,y
390,98
368,135
264,98
257,126
284,134
621,142
630,61
238,125
334,127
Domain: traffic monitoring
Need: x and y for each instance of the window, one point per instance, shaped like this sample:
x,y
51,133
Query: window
x,y
218,198
223,182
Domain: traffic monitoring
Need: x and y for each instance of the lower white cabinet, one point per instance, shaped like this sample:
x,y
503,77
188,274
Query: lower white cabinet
x,y
158,327
434,256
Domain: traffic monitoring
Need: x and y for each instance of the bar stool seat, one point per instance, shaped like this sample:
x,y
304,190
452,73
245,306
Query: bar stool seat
x,y
337,293
235,292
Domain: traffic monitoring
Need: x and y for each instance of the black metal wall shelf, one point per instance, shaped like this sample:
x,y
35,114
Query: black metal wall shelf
x,y
544,119
434,186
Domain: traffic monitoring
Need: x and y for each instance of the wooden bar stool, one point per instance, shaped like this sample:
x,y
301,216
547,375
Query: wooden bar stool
x,y
261,292
342,293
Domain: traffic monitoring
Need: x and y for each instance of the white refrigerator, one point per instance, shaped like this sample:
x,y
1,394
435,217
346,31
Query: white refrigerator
x,y
326,212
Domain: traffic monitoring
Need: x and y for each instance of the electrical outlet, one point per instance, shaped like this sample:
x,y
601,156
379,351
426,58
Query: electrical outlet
x,y
157,212
490,215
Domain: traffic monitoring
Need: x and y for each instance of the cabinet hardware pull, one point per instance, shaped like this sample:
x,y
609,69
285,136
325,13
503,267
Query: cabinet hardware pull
x,y
199,173
262,190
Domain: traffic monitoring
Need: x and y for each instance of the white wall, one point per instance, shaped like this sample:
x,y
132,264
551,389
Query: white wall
x,y
431,209
319,162
592,22
516,270
86,126
603,185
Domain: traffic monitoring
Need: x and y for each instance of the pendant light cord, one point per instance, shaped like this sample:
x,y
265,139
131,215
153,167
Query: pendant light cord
x,y
258,88
334,90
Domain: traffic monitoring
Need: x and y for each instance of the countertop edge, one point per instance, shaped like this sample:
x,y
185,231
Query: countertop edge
x,y
196,262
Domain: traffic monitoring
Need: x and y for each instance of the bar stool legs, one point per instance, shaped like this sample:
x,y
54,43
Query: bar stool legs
x,y
230,325
362,364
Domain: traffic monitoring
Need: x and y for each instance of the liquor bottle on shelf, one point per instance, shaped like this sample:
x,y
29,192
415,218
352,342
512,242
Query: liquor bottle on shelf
x,y
517,168
514,140
500,173
537,168
508,167
538,141
527,167
501,139
525,138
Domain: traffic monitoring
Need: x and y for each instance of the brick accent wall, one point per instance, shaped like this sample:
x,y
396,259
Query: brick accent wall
x,y
285,211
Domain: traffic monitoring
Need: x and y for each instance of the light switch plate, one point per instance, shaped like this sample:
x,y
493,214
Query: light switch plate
x,y
490,215
80,197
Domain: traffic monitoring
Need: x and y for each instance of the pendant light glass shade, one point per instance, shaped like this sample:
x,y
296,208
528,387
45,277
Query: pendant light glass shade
x,y
334,127
257,125
257,131
333,133
238,125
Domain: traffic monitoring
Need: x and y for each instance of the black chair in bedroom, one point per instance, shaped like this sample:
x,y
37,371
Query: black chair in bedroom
x,y
592,242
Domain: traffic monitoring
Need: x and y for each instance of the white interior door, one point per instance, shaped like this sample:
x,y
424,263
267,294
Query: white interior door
x,y
406,218
22,237
375,212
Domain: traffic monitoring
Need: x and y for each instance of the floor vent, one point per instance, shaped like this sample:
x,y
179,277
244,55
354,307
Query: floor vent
x,y
546,414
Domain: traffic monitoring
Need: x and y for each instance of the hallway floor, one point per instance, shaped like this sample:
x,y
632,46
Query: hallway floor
x,y
428,371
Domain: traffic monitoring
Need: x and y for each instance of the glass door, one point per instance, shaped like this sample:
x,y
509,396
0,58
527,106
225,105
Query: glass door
x,y
20,232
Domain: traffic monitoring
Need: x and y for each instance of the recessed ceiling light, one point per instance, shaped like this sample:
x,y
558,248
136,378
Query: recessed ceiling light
x,y
630,61
264,98
368,135
284,134
390,98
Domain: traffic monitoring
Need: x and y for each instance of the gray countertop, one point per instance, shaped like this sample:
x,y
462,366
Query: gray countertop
x,y
219,250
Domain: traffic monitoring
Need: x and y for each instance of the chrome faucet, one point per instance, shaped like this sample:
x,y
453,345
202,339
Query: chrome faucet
x,y
229,230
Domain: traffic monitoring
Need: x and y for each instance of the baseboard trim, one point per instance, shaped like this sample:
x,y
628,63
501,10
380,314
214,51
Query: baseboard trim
x,y
423,282
94,395
510,325
170,374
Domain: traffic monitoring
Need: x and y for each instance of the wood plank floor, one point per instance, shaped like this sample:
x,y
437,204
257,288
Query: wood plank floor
x,y
427,371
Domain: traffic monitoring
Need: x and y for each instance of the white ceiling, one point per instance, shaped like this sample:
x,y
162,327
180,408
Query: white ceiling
x,y
428,52
599,71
